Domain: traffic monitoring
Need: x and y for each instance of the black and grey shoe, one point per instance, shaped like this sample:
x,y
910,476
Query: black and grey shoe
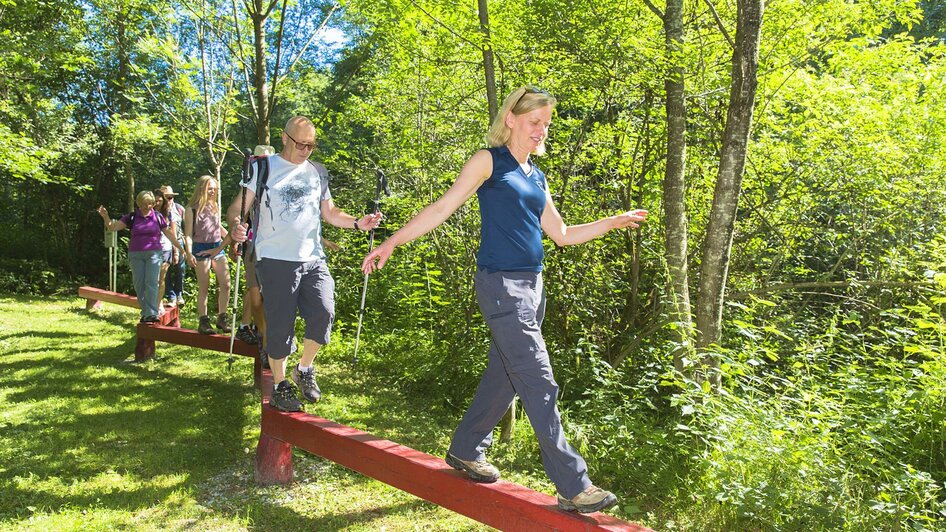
x,y
263,358
149,319
205,327
284,398
306,382
245,334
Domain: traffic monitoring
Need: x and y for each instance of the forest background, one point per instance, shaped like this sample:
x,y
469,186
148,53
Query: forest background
x,y
766,352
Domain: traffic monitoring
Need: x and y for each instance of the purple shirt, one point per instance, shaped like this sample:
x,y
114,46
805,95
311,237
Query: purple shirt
x,y
145,231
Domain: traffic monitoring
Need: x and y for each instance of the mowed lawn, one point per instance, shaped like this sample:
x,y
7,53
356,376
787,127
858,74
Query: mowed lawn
x,y
90,440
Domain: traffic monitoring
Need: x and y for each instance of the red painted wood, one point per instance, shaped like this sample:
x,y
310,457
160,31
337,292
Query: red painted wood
x,y
503,505
144,350
273,461
98,294
213,342
95,297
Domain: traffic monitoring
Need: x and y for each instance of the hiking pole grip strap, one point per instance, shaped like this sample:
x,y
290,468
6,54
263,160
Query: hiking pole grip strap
x,y
245,179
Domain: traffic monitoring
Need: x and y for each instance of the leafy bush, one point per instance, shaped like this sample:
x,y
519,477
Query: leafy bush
x,y
34,277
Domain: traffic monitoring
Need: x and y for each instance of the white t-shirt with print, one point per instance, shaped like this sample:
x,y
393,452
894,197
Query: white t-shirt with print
x,y
290,223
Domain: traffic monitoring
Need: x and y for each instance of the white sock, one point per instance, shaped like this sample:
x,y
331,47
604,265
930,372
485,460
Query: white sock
x,y
304,369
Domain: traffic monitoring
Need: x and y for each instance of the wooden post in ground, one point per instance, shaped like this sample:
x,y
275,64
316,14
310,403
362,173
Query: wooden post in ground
x,y
273,461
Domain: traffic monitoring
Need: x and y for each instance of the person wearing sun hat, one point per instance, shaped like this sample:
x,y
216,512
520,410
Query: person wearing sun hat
x,y
175,282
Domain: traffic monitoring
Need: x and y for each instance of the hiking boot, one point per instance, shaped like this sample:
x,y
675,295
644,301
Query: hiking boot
x,y
263,358
593,499
284,398
223,323
478,470
149,319
306,382
245,334
204,327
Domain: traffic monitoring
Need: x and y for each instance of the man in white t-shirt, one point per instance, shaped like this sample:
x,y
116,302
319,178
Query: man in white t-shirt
x,y
291,267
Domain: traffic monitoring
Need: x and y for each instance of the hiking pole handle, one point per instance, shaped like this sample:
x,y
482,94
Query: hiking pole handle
x,y
245,178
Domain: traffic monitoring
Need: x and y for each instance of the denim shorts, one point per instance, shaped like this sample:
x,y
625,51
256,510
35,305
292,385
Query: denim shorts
x,y
197,247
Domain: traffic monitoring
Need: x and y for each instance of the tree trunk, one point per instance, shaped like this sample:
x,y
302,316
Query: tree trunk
x,y
719,231
124,64
674,186
488,60
259,73
507,425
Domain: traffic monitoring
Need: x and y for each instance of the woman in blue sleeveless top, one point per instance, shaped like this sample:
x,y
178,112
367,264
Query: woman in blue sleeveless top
x,y
515,207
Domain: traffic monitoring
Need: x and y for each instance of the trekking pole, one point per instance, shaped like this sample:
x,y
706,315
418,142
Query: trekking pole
x,y
239,252
382,185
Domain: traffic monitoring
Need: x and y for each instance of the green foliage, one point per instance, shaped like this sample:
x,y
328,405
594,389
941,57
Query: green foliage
x,y
832,412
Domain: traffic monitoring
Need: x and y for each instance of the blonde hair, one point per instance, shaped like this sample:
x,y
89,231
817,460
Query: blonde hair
x,y
521,101
199,199
143,196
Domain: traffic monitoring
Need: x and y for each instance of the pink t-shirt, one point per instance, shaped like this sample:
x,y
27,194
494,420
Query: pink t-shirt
x,y
206,226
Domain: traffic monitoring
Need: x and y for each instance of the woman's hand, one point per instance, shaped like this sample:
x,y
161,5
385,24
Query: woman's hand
x,y
630,219
211,252
191,260
377,258
103,212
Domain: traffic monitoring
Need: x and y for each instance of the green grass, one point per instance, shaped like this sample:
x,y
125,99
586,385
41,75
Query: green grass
x,y
90,440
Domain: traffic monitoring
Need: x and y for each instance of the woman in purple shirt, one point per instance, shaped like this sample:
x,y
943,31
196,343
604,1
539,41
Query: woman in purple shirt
x,y
144,249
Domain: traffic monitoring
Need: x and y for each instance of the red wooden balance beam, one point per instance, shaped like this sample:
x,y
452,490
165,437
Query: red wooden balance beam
x,y
95,296
503,505
149,332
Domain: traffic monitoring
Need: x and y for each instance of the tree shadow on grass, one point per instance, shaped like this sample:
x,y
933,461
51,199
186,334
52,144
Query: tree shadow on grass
x,y
127,318
82,428
90,415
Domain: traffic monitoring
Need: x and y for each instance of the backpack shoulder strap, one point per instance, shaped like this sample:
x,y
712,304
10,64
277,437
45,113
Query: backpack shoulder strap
x,y
262,178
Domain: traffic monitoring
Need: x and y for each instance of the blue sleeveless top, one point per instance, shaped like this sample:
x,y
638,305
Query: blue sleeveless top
x,y
511,205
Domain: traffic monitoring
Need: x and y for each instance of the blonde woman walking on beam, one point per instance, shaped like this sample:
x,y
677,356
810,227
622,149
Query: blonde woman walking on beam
x,y
203,232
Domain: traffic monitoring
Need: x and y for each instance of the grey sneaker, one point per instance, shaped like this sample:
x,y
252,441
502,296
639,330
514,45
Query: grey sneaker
x,y
306,382
284,398
205,327
593,499
478,470
245,334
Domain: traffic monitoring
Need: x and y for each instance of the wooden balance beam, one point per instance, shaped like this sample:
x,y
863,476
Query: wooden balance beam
x,y
96,296
148,333
503,505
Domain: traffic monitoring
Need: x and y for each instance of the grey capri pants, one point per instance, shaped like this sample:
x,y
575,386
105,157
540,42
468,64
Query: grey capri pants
x,y
290,286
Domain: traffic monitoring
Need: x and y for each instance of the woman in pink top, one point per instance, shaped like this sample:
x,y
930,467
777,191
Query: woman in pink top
x,y
202,233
